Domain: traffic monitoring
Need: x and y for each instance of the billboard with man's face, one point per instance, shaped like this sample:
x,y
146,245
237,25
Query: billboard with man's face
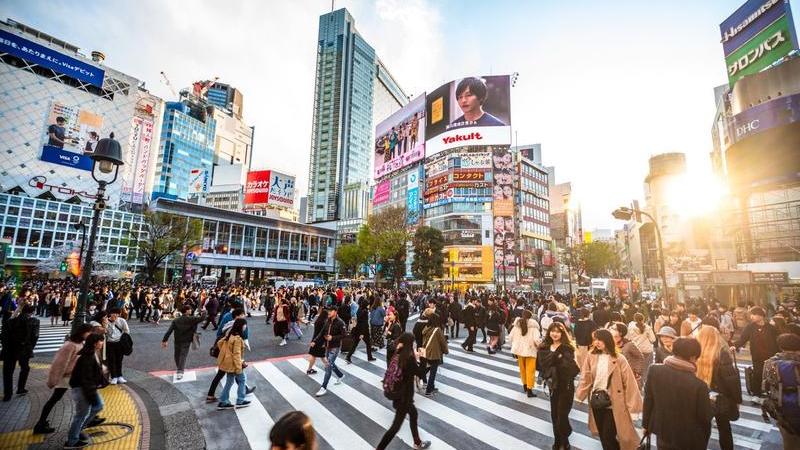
x,y
70,136
469,111
400,139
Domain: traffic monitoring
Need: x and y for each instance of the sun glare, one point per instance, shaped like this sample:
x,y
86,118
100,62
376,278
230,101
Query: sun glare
x,y
696,194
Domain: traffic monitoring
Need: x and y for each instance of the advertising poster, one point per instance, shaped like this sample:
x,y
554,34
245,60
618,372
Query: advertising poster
x,y
130,163
749,20
142,161
400,139
770,45
198,181
482,160
412,197
469,111
383,191
435,167
70,136
256,190
503,209
281,190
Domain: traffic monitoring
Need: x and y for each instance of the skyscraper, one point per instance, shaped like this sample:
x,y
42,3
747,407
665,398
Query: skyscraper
x,y
351,87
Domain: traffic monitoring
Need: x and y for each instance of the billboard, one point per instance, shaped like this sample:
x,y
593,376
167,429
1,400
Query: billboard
x,y
412,197
198,181
46,57
481,160
749,20
503,208
256,190
281,190
138,159
383,191
70,135
400,139
760,118
469,111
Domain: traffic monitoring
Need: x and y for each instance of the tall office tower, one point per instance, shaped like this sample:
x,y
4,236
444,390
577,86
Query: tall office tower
x,y
351,87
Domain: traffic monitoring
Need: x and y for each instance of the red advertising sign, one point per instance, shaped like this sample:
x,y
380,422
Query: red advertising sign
x,y
469,175
437,181
257,188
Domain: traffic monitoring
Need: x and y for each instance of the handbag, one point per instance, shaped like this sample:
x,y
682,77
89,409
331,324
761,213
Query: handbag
x,y
600,398
125,342
423,352
644,443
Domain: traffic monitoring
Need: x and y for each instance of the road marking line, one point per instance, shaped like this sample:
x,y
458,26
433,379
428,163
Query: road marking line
x,y
254,421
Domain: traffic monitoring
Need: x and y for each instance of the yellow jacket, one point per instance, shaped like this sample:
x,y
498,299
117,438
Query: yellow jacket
x,y
231,350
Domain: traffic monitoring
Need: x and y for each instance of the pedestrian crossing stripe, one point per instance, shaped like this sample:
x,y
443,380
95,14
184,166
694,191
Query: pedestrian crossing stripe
x,y
480,404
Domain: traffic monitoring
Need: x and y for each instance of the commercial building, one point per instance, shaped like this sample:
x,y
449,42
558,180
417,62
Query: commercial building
x,y
532,209
566,230
56,105
352,87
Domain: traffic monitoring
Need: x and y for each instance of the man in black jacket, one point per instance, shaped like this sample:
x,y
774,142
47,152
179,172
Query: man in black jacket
x,y
470,323
763,338
184,327
361,331
19,339
455,315
334,330
676,404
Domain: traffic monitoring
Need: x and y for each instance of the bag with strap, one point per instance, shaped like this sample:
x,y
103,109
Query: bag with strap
x,y
125,342
600,398
423,352
783,400
393,379
214,350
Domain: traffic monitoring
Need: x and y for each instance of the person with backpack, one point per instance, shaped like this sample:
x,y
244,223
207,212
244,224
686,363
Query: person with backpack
x,y
398,386
334,330
716,368
116,328
763,339
185,328
19,337
391,331
782,385
557,365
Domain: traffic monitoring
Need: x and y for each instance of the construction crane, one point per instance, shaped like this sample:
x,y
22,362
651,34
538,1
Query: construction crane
x,y
169,85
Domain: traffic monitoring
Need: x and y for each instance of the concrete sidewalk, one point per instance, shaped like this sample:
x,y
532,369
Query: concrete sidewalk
x,y
127,423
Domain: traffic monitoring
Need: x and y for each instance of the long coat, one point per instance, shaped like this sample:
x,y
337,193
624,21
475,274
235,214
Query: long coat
x,y
624,393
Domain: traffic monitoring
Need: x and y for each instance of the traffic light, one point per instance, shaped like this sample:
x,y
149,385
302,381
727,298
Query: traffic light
x,y
63,267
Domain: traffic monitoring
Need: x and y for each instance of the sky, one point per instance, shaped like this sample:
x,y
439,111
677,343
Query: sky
x,y
603,85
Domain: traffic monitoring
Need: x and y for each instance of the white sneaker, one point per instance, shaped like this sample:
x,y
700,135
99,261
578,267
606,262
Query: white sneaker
x,y
283,342
322,391
121,380
113,381
339,380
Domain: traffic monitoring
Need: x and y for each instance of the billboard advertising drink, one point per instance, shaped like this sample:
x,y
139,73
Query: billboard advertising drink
x,y
70,135
257,188
470,111
400,139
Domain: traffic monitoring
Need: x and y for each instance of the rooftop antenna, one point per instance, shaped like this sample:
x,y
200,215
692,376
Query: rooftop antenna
x,y
332,1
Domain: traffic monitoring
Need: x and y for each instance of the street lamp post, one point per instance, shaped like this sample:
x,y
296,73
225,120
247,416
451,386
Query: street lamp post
x,y
107,158
79,225
569,264
452,276
625,213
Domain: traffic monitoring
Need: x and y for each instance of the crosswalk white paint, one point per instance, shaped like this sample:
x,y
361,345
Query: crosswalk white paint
x,y
50,338
335,432
480,399
372,409
188,377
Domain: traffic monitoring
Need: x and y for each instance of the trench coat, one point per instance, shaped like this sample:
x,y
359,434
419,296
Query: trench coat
x,y
625,397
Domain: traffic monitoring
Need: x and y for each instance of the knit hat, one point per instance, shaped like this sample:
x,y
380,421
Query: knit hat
x,y
667,331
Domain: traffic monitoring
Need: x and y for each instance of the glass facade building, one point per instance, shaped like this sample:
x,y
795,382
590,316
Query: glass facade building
x,y
187,142
349,79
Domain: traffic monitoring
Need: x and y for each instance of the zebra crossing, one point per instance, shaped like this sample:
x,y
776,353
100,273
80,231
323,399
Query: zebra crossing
x,y
50,338
480,405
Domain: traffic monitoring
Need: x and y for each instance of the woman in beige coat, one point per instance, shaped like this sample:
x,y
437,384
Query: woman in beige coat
x,y
605,369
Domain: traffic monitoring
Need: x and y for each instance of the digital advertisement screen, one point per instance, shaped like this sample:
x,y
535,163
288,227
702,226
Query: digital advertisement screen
x,y
400,139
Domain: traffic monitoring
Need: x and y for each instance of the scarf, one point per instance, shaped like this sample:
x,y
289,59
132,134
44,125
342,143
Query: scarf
x,y
680,364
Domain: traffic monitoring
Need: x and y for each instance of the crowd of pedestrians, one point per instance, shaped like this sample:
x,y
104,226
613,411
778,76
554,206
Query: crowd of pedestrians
x,y
644,368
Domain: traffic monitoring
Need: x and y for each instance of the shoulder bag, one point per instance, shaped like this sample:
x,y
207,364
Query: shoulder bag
x,y
125,342
423,352
600,398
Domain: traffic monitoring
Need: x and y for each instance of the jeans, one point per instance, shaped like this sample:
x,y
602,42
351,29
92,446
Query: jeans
x,y
294,327
400,411
181,352
9,364
84,413
331,355
241,389
433,366
114,358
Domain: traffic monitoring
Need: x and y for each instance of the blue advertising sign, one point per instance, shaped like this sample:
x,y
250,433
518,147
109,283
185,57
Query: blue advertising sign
x,y
760,118
57,155
412,196
46,57
750,19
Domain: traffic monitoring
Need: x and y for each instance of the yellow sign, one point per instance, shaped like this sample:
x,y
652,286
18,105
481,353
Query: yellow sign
x,y
587,237
437,110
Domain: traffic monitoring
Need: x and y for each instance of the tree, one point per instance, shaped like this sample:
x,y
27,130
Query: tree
x,y
350,258
166,234
428,258
381,244
599,259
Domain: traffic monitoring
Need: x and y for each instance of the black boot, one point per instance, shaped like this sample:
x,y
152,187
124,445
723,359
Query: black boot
x,y
43,428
